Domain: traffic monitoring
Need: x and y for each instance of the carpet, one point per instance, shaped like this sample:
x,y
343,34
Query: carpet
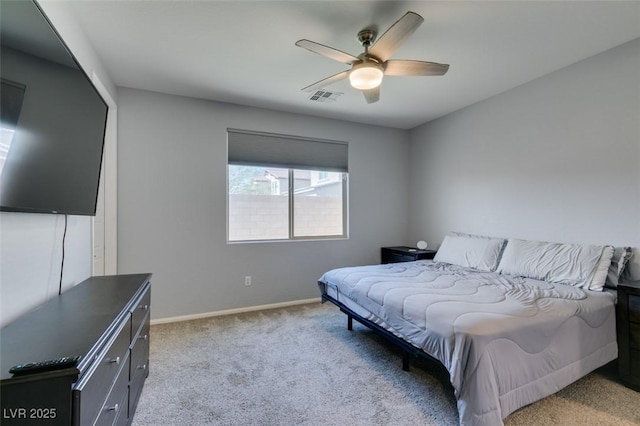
x,y
301,366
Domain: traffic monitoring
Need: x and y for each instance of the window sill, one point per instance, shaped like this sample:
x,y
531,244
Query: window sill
x,y
297,240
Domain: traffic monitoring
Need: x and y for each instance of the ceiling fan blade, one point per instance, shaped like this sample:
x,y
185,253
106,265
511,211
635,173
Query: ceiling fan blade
x,y
408,67
327,81
372,95
389,42
329,52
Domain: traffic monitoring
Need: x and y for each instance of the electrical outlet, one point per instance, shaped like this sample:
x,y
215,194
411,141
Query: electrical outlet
x,y
247,280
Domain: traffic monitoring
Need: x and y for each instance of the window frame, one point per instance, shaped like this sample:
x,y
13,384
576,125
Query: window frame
x,y
291,205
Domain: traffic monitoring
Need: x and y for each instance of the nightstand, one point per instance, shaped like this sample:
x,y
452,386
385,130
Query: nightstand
x,y
404,254
628,325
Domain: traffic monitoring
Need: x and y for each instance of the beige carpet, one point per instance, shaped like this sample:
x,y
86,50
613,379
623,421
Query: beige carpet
x,y
301,366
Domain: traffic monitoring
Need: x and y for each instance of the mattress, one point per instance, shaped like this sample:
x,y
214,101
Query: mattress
x,y
506,341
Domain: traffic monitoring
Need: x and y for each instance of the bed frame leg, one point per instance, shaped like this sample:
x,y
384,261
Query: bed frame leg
x,y
405,361
407,349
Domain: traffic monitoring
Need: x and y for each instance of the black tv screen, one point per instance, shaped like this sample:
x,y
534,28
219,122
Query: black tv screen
x,y
52,119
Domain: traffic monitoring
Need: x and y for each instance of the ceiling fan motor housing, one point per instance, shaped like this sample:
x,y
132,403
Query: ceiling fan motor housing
x,y
368,73
366,37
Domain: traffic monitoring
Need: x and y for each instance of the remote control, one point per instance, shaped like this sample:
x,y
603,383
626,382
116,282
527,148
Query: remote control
x,y
51,364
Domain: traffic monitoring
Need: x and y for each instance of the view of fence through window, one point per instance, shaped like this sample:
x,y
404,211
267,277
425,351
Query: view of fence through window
x,y
260,203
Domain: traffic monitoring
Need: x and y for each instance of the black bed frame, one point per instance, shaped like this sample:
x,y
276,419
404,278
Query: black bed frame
x,y
407,348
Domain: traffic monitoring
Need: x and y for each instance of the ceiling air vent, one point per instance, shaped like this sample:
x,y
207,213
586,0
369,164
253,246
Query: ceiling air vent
x,y
324,96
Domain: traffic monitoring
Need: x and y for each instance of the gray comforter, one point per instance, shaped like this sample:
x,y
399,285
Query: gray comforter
x,y
506,341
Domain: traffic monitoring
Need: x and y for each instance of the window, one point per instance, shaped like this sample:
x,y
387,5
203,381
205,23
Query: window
x,y
317,203
286,197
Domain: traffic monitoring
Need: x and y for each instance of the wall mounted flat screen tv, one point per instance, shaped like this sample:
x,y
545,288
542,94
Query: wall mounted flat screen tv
x,y
52,119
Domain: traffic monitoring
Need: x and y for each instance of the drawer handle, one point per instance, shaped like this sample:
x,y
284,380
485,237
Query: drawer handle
x,y
144,307
145,337
114,408
115,360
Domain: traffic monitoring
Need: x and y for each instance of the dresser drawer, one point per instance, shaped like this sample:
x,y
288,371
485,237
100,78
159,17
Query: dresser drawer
x,y
140,348
122,418
139,364
123,415
139,311
115,405
634,308
135,385
92,388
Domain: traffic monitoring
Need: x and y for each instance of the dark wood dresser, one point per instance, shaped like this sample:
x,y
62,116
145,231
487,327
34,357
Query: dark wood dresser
x,y
105,320
628,322
404,254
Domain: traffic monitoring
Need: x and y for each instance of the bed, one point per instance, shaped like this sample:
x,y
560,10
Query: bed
x,y
511,321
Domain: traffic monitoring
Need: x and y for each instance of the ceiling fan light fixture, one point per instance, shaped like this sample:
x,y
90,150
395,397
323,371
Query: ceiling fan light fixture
x,y
366,75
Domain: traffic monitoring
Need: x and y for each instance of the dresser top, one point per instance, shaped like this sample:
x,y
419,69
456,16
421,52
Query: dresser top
x,y
69,324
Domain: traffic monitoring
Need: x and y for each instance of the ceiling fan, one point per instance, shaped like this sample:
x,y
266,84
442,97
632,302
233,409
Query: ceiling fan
x,y
368,68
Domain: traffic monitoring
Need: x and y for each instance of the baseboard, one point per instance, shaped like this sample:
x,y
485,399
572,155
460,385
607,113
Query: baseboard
x,y
234,311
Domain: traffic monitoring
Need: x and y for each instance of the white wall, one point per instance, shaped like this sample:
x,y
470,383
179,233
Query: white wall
x,y
172,159
31,253
557,159
31,244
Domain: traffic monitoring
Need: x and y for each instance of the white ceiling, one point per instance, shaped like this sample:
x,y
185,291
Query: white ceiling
x,y
243,51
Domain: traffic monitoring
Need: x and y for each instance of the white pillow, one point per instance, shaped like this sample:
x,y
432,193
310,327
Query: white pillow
x,y
470,251
602,269
571,264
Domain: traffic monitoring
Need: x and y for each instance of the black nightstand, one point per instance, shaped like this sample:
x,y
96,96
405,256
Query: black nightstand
x,y
628,322
404,254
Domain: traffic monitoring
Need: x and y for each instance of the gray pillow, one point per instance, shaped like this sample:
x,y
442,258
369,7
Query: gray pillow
x,y
619,260
470,251
571,264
